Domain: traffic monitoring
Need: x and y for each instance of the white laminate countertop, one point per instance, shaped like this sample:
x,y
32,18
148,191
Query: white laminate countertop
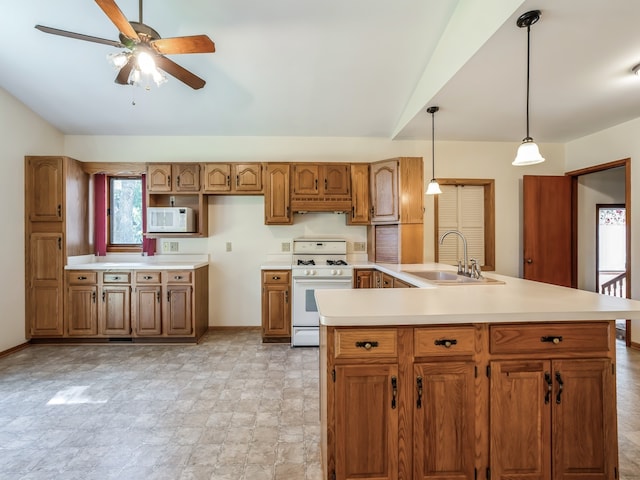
x,y
124,262
516,300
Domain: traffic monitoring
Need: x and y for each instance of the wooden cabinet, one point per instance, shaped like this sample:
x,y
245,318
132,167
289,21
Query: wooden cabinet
x,y
371,278
147,304
360,201
277,209
229,178
321,187
276,306
115,304
56,226
363,278
173,177
177,314
529,401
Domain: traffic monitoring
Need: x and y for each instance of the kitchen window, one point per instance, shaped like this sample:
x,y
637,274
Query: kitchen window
x,y
124,214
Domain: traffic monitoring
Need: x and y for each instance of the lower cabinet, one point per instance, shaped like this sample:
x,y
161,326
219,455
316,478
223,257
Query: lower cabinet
x,y
445,402
372,278
276,306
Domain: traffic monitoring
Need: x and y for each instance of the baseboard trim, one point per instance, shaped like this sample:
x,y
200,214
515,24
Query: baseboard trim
x,y
15,349
635,345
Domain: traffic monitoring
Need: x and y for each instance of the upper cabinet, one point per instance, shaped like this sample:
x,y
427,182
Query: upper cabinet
x,y
277,210
229,178
176,177
360,201
44,189
321,187
397,191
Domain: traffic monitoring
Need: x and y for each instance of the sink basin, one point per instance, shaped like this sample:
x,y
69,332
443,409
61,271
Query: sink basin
x,y
442,277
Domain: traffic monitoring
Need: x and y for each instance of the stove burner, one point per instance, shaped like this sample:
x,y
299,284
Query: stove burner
x,y
336,262
306,262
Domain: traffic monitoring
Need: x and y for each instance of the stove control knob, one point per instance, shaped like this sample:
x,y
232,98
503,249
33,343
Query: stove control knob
x,y
306,272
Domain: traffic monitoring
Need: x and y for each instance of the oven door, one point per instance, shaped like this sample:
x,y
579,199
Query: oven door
x,y
304,309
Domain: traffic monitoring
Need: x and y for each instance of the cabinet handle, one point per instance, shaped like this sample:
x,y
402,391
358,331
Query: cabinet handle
x,y
551,339
286,296
419,387
237,180
367,345
177,277
158,296
93,297
394,391
446,342
147,277
325,184
82,278
228,181
547,378
168,296
372,211
59,210
168,180
316,184
59,243
560,387
116,278
275,277
103,297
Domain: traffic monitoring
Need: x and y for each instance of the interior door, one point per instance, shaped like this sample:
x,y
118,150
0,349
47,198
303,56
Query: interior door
x,y
548,229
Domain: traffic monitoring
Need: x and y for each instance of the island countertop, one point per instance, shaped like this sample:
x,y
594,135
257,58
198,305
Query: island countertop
x,y
516,300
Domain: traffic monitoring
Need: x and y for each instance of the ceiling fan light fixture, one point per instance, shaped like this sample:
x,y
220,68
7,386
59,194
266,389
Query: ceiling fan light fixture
x,y
146,64
118,60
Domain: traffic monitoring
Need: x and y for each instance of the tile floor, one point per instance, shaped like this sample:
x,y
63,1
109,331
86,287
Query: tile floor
x,y
229,408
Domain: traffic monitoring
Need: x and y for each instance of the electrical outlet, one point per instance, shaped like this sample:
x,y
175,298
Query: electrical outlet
x,y
166,247
173,246
172,200
285,247
229,247
359,246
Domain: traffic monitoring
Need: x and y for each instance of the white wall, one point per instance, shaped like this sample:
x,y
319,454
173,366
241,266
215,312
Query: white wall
x,y
616,143
22,133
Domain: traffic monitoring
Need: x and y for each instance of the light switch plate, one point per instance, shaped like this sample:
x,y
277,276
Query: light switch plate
x,y
285,247
359,246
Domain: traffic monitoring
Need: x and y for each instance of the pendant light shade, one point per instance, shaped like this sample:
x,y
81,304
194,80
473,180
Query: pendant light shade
x,y
528,152
433,188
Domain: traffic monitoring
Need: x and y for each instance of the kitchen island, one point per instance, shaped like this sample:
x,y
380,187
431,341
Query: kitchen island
x,y
501,380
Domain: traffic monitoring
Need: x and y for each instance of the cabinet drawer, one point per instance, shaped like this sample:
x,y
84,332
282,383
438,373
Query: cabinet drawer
x,y
148,277
276,277
444,341
82,278
175,276
366,342
550,338
116,277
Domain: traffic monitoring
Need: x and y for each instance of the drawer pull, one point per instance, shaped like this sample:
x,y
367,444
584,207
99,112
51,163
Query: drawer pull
x,y
419,387
275,277
446,342
147,277
560,387
547,378
116,278
366,345
177,277
394,391
550,339
82,278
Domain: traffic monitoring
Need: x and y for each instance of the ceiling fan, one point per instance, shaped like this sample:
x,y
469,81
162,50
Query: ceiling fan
x,y
146,50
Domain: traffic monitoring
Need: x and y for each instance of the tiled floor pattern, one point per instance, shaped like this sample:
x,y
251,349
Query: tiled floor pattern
x,y
229,408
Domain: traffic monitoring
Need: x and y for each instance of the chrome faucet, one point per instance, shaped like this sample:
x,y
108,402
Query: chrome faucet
x,y
464,269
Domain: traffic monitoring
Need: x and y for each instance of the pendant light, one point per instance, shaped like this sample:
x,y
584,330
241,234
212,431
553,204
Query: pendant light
x,y
528,152
433,188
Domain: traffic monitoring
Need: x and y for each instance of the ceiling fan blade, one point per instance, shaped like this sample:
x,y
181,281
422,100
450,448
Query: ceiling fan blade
x,y
117,17
180,73
192,44
79,36
123,75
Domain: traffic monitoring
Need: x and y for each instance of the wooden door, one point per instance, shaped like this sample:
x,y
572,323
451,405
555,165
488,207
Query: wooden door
x,y
178,318
148,310
217,177
276,311
520,420
115,310
45,284
159,177
444,421
276,198
44,188
248,177
305,179
548,241
336,179
82,310
584,420
384,191
360,202
187,177
366,440
363,278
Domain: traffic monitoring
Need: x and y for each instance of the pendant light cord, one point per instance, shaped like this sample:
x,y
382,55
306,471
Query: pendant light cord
x,y
528,61
433,145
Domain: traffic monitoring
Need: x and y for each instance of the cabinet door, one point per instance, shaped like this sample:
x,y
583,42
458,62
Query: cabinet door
x,y
187,177
115,310
305,179
336,179
363,279
584,420
276,199
276,311
360,202
159,177
384,191
45,284
248,177
178,318
217,177
520,420
148,310
82,310
44,189
444,421
366,406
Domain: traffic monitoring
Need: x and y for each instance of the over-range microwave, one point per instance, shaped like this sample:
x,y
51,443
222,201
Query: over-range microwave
x,y
170,220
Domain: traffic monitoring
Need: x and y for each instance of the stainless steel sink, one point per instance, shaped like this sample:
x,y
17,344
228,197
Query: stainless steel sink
x,y
442,277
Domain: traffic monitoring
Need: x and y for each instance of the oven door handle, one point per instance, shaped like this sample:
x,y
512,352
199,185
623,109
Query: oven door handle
x,y
346,281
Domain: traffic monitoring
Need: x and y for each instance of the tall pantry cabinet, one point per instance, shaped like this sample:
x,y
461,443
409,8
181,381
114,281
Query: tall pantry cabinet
x,y
56,227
